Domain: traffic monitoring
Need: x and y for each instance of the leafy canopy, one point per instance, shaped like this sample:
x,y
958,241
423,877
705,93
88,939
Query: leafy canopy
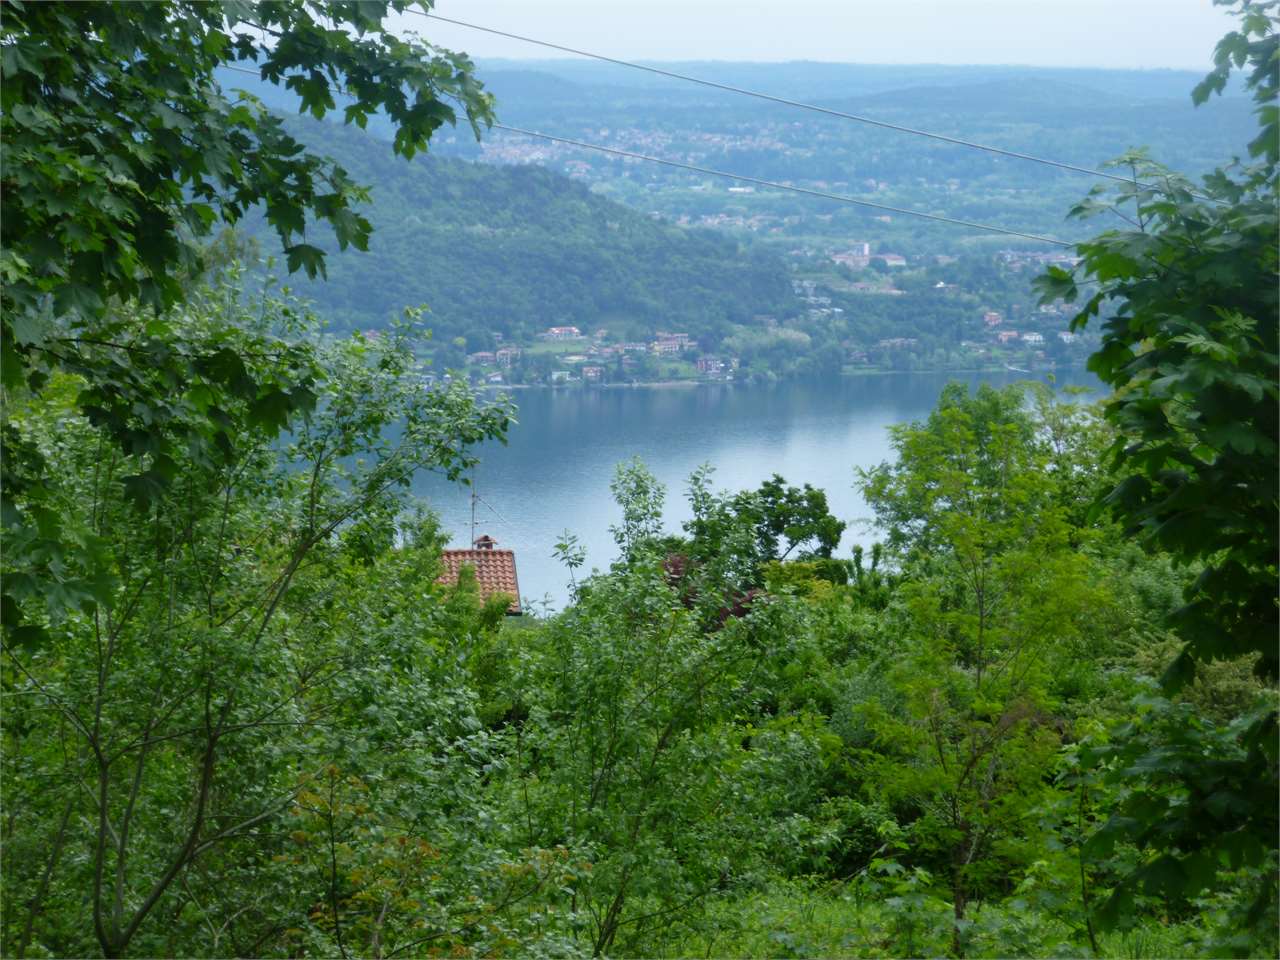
x,y
1188,299
122,154
1188,303
123,149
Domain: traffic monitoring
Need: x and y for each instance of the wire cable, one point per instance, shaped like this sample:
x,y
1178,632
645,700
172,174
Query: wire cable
x,y
773,184
671,74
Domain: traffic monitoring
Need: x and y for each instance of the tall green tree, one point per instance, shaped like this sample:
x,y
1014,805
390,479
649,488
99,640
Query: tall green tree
x,y
122,153
621,754
993,599
175,709
1188,300
123,148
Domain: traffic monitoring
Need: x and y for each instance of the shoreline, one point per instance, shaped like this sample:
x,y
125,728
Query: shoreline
x,y
685,384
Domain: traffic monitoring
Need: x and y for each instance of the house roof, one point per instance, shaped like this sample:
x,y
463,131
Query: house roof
x,y
495,572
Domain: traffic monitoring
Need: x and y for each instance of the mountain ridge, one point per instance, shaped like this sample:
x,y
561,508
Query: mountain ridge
x,y
514,249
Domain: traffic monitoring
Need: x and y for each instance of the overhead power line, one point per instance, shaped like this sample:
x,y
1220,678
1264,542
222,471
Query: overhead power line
x,y
730,88
776,185
773,184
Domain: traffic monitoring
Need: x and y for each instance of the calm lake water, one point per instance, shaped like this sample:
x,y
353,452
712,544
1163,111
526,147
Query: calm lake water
x,y
554,473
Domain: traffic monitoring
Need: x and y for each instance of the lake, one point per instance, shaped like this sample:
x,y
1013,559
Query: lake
x,y
554,473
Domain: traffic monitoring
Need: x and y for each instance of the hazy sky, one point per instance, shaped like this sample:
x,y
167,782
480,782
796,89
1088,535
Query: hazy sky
x,y
1093,33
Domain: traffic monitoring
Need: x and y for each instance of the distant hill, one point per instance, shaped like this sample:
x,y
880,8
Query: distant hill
x,y
809,80
516,249
531,84
1005,95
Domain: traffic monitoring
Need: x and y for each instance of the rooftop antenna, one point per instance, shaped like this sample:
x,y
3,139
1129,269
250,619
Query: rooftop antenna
x,y
501,518
474,498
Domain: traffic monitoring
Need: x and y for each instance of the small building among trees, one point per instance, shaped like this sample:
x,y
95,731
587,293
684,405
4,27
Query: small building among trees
x,y
494,570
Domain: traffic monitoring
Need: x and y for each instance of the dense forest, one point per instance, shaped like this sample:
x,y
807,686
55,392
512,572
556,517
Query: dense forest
x,y
244,716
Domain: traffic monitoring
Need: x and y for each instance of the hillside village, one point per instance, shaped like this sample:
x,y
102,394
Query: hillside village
x,y
1019,337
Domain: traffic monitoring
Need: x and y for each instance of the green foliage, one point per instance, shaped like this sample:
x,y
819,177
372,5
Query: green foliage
x,y
853,761
1186,797
123,147
641,496
739,535
623,752
1191,349
992,596
1188,300
249,612
871,583
804,578
808,918
1190,346
160,390
1257,46
798,516
243,718
122,154
985,472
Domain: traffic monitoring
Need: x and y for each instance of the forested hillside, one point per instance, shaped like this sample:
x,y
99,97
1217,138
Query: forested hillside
x,y
514,250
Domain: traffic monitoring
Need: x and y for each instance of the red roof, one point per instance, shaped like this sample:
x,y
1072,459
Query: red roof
x,y
495,572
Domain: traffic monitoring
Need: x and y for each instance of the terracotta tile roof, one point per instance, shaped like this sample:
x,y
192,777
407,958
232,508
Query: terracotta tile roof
x,y
495,572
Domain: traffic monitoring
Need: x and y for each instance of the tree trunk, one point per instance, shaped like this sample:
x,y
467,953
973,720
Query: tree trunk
x,y
959,901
